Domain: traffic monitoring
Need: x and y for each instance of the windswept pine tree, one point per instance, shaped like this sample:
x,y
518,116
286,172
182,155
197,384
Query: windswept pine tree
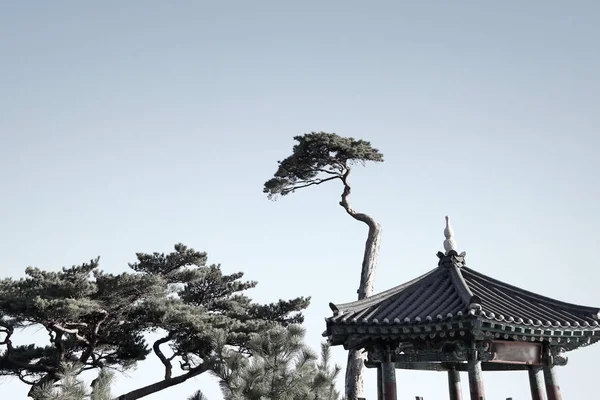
x,y
317,158
100,320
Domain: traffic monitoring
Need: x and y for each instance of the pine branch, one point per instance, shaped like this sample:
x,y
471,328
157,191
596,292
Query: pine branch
x,y
309,183
164,360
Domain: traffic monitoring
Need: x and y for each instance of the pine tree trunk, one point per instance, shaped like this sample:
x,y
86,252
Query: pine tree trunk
x,y
369,264
355,365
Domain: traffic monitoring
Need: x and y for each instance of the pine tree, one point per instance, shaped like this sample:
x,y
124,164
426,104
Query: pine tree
x,y
69,387
100,320
281,367
198,396
317,158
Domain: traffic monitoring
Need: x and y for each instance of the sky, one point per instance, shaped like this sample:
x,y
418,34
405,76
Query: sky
x,y
131,126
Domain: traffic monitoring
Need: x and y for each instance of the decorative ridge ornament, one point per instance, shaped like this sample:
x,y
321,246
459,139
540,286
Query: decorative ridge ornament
x,y
449,243
451,257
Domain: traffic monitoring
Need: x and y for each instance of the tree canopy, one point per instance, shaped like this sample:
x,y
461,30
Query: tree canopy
x,y
101,320
318,157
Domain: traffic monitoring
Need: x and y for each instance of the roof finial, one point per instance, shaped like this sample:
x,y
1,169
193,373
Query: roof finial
x,y
449,243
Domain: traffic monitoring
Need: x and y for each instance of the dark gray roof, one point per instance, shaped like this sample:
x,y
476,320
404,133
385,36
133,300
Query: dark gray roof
x,y
452,292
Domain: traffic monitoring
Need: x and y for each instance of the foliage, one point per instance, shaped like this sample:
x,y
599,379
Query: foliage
x,y
68,387
318,157
198,396
282,367
99,319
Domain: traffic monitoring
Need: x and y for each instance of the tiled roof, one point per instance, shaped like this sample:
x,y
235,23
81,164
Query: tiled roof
x,y
454,292
438,294
503,302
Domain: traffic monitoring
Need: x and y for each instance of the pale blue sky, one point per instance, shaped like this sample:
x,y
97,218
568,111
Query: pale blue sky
x,y
130,126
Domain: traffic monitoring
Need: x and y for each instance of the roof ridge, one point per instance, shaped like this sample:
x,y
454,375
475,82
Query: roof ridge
x,y
460,285
454,262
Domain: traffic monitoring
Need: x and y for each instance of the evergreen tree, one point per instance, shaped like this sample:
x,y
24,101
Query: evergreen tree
x,y
198,396
98,319
69,387
317,158
281,367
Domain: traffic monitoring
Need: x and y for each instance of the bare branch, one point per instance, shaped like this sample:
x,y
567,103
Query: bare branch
x,y
94,340
59,328
58,343
18,365
100,322
342,166
165,383
166,361
21,377
71,325
326,171
310,183
8,330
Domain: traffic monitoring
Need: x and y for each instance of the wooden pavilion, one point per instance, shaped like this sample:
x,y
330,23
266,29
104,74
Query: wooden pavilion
x,y
455,319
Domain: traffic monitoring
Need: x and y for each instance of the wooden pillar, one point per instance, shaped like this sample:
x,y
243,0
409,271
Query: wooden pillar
x,y
536,383
476,380
552,388
454,384
388,380
379,382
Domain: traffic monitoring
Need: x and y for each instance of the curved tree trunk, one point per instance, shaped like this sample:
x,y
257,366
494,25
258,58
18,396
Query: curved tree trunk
x,y
355,365
160,385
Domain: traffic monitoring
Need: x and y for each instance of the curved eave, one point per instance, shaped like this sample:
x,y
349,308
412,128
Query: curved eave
x,y
353,335
513,330
509,303
558,303
339,333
